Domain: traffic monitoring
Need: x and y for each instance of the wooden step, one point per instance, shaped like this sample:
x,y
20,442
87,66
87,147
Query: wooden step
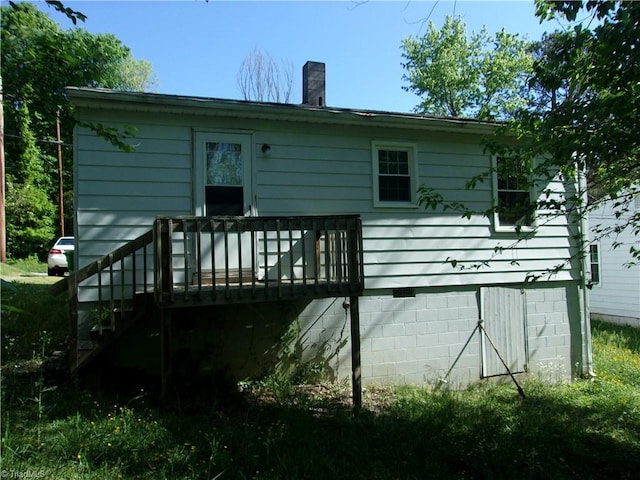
x,y
222,276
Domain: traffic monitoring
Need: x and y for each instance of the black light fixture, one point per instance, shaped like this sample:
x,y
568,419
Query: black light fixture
x,y
266,149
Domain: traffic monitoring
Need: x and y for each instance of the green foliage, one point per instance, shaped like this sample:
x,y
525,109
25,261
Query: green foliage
x,y
34,325
590,72
32,221
117,138
39,60
23,266
617,354
476,76
8,291
289,370
595,72
70,13
581,118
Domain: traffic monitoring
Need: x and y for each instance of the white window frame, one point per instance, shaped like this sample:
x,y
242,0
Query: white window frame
x,y
412,154
496,217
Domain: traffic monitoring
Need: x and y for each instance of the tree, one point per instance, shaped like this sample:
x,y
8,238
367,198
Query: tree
x,y
30,210
39,60
585,119
263,79
593,120
598,70
476,76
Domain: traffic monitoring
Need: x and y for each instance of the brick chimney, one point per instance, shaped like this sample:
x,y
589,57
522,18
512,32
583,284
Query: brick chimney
x,y
313,84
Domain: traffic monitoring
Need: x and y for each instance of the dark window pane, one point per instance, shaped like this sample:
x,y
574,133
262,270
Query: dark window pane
x,y
224,200
393,162
394,189
403,167
383,162
595,264
514,208
595,273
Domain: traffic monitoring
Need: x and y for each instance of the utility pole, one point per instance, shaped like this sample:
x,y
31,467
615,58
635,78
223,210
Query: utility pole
x,y
3,225
60,189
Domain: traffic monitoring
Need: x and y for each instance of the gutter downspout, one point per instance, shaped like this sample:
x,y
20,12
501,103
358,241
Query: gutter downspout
x,y
587,352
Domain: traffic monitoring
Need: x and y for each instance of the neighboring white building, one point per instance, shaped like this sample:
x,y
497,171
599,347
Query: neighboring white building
x,y
615,295
418,315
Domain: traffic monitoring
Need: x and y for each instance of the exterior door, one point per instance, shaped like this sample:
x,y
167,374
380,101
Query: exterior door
x,y
223,188
223,174
504,314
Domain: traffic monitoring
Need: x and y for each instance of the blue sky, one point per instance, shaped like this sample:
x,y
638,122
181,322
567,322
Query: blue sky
x,y
196,47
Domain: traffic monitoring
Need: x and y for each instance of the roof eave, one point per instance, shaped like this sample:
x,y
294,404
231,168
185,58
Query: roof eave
x,y
176,104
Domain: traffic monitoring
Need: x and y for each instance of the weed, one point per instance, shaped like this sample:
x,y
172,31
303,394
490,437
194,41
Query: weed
x,y
35,312
31,264
100,317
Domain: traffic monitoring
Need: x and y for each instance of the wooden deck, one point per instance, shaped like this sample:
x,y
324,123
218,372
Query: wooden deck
x,y
193,261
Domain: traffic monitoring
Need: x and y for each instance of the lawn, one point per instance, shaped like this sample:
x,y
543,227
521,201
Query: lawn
x,y
589,428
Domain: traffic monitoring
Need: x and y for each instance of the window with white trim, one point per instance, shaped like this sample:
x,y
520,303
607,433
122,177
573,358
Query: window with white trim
x,y
512,194
395,174
594,263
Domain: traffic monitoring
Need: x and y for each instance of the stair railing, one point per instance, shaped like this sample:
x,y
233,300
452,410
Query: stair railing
x,y
114,295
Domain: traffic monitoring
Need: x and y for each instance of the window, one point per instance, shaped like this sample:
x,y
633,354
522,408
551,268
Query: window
x,y
395,174
594,261
224,193
513,199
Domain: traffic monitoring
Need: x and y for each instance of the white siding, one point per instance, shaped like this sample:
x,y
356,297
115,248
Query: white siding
x,y
406,246
617,296
328,171
118,194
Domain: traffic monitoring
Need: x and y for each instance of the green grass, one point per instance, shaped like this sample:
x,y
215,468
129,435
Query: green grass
x,y
585,429
26,265
33,322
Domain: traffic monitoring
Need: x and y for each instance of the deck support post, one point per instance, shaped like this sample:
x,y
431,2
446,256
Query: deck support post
x,y
165,351
356,370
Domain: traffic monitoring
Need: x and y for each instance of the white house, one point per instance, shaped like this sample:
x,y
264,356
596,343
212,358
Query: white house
x,y
418,315
615,294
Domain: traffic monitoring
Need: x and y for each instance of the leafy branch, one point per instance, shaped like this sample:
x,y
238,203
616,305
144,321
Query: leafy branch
x,y
116,137
70,13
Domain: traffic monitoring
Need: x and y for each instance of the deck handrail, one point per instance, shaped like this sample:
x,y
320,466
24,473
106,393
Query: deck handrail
x,y
257,258
96,268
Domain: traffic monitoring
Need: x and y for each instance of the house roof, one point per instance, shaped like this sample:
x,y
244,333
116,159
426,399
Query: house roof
x,y
154,102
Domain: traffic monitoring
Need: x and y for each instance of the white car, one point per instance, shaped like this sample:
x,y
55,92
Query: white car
x,y
57,260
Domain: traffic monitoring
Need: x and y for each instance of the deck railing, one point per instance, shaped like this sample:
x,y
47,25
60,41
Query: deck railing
x,y
243,259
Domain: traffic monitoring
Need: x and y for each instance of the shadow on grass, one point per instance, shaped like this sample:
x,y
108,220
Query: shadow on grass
x,y
34,323
565,432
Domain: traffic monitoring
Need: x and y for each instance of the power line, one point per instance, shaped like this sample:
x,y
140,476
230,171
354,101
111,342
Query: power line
x,y
54,142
